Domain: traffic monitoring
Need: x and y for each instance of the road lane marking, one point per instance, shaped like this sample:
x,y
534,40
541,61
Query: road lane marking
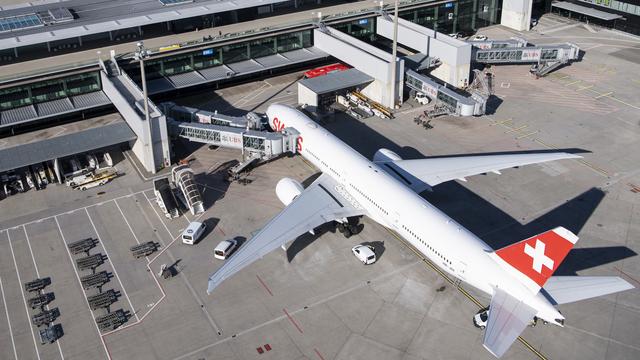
x,y
24,299
6,311
113,266
86,301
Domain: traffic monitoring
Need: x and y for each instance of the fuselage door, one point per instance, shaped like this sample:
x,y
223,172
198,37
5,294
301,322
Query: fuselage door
x,y
461,268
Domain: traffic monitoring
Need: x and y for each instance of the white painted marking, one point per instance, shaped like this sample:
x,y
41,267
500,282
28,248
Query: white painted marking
x,y
64,241
6,311
71,211
33,258
115,272
538,256
26,309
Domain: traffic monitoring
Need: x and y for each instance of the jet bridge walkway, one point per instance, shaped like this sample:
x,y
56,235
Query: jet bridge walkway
x,y
448,101
514,42
546,58
256,146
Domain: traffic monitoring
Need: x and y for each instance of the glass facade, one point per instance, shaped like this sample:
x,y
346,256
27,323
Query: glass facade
x,y
227,54
457,16
48,90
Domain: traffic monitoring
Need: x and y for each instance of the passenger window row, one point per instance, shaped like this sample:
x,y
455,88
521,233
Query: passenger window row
x,y
368,198
426,244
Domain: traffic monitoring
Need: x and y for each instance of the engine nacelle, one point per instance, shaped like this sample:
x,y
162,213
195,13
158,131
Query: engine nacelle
x,y
385,155
288,189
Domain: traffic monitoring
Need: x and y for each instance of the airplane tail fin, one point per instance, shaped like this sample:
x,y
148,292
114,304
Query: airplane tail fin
x,y
537,257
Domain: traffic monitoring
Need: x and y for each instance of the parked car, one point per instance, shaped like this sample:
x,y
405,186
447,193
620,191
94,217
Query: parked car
x,y
481,318
365,253
479,37
224,249
422,98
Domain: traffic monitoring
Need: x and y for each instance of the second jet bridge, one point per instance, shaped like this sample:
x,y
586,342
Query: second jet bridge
x,y
545,57
448,101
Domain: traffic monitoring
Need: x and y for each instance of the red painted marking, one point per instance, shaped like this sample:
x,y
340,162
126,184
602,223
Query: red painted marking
x,y
299,144
259,350
293,321
264,285
267,347
277,124
318,353
556,248
627,275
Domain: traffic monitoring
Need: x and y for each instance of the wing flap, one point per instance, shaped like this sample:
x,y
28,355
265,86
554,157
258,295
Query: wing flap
x,y
316,205
508,317
568,289
435,171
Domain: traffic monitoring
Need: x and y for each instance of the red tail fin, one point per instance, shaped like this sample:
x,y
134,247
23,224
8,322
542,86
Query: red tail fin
x,y
539,256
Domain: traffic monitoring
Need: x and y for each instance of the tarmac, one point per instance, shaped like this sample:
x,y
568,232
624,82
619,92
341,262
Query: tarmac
x,y
316,301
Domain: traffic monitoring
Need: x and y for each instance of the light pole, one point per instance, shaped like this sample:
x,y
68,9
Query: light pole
x,y
394,56
140,55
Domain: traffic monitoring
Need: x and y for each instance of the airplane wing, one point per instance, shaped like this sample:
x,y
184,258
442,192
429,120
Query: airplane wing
x,y
320,203
567,289
508,317
438,170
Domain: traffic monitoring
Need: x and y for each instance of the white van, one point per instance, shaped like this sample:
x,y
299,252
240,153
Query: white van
x,y
193,232
224,249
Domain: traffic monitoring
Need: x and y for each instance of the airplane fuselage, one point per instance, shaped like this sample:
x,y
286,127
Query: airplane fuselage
x,y
391,203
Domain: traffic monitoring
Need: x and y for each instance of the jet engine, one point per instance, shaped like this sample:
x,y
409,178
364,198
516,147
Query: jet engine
x,y
288,189
385,155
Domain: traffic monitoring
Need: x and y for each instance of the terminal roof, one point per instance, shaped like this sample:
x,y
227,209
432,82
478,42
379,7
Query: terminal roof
x,y
95,16
603,15
336,81
86,140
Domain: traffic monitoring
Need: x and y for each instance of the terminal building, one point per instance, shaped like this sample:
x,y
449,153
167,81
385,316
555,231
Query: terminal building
x,y
68,61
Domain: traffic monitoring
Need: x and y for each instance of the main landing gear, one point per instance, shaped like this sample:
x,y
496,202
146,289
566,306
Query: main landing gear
x,y
350,227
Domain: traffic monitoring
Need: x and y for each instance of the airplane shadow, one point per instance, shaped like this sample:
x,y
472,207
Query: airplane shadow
x,y
491,224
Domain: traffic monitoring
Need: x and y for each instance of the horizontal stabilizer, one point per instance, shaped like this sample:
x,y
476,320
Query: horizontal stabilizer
x,y
508,317
567,289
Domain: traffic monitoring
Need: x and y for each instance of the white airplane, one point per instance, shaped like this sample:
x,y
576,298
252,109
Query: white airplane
x,y
386,190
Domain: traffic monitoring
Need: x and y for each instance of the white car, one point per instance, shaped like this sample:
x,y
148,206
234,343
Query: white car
x,y
365,253
224,249
479,37
481,318
422,98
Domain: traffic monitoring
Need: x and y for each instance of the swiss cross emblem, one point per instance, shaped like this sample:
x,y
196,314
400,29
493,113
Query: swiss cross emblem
x,y
538,256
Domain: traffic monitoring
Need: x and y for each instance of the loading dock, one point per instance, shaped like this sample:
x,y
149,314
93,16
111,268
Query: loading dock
x,y
319,93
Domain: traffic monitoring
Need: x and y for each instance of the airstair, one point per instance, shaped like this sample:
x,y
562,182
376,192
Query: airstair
x,y
183,177
546,58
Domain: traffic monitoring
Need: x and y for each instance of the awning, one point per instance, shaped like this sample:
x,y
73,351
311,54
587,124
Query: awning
x,y
337,81
64,145
602,15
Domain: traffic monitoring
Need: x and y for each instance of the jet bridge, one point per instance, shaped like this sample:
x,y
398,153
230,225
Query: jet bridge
x,y
514,42
251,120
256,146
546,58
449,101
